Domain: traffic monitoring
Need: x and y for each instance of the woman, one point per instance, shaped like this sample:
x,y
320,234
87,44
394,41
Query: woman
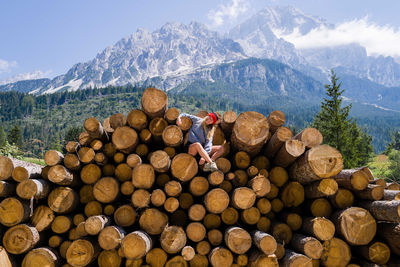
x,y
200,139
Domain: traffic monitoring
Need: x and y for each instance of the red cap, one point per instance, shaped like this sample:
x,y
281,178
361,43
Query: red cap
x,y
213,116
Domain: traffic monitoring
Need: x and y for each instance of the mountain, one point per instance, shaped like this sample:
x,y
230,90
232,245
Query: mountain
x,y
25,86
177,55
174,48
263,35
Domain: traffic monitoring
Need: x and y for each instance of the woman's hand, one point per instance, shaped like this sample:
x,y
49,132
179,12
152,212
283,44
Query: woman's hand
x,y
179,121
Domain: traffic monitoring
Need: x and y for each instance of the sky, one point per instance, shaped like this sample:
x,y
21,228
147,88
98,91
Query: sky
x,y
45,38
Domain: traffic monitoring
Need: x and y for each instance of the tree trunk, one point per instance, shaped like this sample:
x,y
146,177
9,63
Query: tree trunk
x,y
109,258
228,120
195,231
156,257
71,146
265,242
172,136
343,198
322,188
160,161
6,168
5,259
292,194
184,167
61,224
20,238
71,161
293,259
143,176
356,225
42,218
81,252
125,139
372,192
158,198
173,239
383,210
153,221
14,211
94,224
258,259
243,198
390,232
237,239
32,188
319,162
94,128
154,102
198,186
336,253
137,119
157,127
53,157
260,185
276,119
216,178
289,152
220,257
310,137
250,141
321,228
376,252
40,257
63,200
356,179
188,253
106,190
117,120
281,232
125,216
141,198
307,245
6,189
58,174
389,194
278,139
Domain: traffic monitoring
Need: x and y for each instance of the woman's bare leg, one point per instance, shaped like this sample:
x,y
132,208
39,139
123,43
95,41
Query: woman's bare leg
x,y
198,148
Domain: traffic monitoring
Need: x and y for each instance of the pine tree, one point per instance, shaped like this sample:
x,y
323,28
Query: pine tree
x,y
3,139
339,129
15,136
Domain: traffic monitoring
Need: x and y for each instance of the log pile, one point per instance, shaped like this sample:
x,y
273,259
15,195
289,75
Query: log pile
x,y
128,194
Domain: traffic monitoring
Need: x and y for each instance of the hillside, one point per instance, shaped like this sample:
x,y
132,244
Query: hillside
x,y
46,119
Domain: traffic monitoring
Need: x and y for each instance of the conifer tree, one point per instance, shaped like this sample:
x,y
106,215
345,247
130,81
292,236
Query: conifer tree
x,y
339,129
15,136
3,139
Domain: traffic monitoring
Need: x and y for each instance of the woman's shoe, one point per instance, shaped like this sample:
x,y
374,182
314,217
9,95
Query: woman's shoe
x,y
210,167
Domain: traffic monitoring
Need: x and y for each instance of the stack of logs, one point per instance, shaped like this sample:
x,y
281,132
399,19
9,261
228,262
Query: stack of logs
x,y
128,194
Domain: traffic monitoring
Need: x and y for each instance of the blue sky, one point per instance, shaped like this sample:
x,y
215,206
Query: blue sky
x,y
44,38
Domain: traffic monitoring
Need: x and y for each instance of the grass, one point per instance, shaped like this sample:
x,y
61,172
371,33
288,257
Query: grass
x,y
34,160
380,167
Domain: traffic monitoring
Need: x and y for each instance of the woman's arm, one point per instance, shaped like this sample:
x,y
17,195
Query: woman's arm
x,y
192,117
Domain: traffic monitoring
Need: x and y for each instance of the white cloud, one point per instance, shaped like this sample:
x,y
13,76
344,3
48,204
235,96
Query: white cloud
x,y
5,66
227,12
37,74
378,40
